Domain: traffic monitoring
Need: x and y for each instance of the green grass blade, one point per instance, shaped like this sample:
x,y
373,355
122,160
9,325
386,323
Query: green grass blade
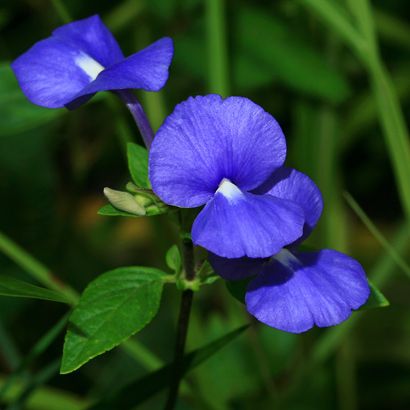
x,y
378,235
35,268
217,47
363,42
36,381
392,28
137,392
337,20
12,287
39,348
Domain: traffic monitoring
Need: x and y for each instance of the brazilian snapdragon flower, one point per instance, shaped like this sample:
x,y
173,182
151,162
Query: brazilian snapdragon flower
x,y
215,152
82,58
295,290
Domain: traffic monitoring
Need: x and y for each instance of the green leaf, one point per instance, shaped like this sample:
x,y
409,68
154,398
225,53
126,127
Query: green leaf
x,y
109,210
376,299
173,259
138,164
112,308
17,113
142,389
18,288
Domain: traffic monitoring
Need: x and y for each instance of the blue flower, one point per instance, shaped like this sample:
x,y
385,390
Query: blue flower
x,y
214,152
82,58
294,290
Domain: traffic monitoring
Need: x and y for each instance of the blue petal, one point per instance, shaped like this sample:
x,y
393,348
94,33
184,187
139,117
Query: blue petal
x,y
288,183
234,224
146,70
207,139
237,268
82,58
50,73
91,36
294,292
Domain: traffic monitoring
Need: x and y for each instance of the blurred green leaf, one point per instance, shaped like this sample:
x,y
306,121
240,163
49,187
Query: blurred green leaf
x,y
35,351
18,288
273,52
173,258
138,164
376,299
112,308
287,55
137,392
17,113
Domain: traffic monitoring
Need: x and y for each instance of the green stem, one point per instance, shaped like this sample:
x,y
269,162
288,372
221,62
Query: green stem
x,y
217,47
61,10
183,322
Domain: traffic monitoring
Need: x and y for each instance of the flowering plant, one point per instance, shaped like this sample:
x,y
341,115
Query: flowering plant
x,y
216,168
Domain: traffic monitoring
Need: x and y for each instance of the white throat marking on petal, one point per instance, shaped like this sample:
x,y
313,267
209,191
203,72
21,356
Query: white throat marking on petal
x,y
286,258
229,190
91,67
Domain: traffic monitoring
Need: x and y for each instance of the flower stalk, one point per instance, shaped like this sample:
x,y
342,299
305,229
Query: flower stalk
x,y
183,323
139,116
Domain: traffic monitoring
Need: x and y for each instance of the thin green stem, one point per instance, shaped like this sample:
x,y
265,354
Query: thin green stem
x,y
377,234
61,10
217,47
183,323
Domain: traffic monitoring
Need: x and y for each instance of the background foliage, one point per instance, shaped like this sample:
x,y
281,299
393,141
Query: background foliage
x,y
332,73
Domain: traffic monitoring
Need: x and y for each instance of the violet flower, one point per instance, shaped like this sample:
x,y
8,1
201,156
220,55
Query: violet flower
x,y
294,290
214,152
82,58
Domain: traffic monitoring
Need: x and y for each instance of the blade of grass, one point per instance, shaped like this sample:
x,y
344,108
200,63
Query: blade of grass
x,y
377,234
217,47
125,398
61,10
392,28
39,348
35,268
11,355
45,398
42,377
363,42
337,20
